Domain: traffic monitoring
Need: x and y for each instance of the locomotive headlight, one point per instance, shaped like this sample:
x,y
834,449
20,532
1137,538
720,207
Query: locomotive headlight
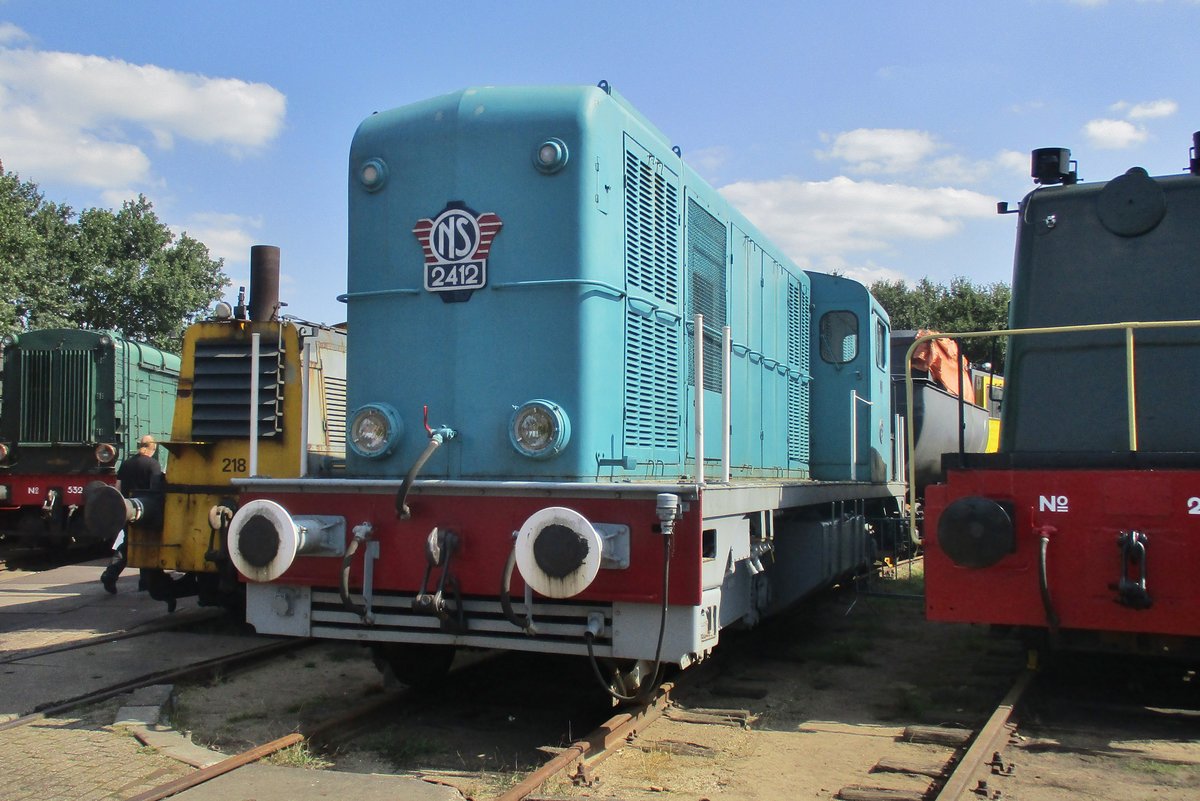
x,y
539,429
373,174
105,453
374,430
551,155
3,452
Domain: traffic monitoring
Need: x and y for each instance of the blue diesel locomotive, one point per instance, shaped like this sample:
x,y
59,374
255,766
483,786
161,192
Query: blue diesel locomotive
x,y
593,410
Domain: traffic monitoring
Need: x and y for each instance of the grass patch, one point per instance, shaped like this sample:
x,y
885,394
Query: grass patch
x,y
248,714
908,703
842,651
298,756
1160,770
399,750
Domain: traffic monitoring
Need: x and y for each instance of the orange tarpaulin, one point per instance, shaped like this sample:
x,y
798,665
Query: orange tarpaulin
x,y
940,358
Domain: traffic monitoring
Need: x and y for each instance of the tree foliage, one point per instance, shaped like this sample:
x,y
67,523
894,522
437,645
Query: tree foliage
x,y
960,307
124,270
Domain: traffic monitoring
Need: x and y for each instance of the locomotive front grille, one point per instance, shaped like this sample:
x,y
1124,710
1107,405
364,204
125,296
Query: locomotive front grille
x,y
221,389
57,395
557,623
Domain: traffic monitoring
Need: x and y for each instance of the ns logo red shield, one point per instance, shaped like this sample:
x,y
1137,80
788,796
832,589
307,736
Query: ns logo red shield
x,y
456,244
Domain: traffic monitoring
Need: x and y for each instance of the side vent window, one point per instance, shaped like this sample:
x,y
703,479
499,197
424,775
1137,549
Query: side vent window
x,y
839,336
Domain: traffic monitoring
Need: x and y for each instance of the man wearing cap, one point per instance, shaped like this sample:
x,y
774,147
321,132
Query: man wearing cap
x,y
141,471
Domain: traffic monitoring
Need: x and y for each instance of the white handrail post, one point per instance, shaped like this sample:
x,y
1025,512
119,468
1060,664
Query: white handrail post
x,y
726,401
854,435
854,401
305,389
698,339
255,344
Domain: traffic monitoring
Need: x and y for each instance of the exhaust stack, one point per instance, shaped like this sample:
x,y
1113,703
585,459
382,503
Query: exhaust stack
x,y
264,282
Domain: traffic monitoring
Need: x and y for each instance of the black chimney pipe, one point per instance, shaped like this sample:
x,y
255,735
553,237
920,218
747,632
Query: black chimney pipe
x,y
264,282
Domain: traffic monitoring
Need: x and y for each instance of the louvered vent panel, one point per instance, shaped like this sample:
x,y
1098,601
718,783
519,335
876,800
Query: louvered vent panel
x,y
707,254
798,339
651,227
221,390
652,269
651,391
57,395
335,413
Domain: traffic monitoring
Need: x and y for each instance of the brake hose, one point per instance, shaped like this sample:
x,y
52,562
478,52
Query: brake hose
x,y
361,533
436,438
1043,578
647,687
524,623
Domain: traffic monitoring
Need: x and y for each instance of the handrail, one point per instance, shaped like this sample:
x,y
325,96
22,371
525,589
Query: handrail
x,y
1130,389
620,293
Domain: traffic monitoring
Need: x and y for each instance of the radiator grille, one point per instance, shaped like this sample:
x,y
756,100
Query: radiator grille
x,y
707,254
335,413
58,393
652,269
221,389
799,318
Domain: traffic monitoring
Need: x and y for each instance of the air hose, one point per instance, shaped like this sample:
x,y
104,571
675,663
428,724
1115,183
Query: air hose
x,y
588,636
361,533
1044,580
436,438
525,623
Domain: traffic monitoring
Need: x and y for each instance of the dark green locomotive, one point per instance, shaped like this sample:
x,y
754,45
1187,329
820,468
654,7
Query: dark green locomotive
x,y
75,403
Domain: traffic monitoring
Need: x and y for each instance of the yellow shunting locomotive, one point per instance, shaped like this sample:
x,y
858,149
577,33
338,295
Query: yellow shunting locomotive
x,y
293,375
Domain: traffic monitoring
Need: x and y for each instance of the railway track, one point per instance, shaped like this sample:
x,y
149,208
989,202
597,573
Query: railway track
x,y
852,697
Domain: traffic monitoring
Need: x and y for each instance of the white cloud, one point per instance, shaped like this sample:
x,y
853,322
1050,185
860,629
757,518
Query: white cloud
x,y
709,160
1010,161
843,216
882,150
227,236
85,119
1153,109
1114,134
11,34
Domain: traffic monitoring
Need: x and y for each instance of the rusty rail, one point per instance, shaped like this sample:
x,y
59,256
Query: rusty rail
x,y
224,766
989,741
583,755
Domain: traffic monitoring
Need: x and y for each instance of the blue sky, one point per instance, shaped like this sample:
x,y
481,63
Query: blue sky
x,y
869,137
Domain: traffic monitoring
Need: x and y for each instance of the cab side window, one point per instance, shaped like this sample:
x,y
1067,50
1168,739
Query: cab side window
x,y
839,336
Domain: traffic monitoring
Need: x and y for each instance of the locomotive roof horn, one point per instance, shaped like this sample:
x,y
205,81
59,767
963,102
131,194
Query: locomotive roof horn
x,y
1053,165
1194,166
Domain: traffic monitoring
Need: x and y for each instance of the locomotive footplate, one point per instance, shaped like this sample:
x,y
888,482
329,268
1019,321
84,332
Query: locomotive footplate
x,y
439,551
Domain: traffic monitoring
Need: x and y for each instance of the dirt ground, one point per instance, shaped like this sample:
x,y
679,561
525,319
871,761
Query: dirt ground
x,y
829,690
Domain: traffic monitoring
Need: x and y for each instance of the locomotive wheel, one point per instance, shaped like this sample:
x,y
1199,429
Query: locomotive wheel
x,y
413,664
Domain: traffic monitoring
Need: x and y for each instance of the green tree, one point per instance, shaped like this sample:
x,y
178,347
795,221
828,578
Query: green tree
x,y
34,237
961,306
122,270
